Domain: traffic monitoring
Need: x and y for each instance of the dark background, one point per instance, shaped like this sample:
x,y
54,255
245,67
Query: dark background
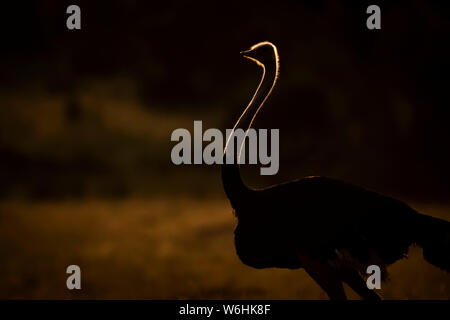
x,y
87,114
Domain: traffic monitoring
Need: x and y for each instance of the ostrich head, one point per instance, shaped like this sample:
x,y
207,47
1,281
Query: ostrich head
x,y
263,53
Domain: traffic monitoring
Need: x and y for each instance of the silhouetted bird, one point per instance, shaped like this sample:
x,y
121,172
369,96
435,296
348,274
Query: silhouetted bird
x,y
332,229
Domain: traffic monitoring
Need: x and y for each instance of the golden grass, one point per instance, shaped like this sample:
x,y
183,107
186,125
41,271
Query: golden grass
x,y
158,249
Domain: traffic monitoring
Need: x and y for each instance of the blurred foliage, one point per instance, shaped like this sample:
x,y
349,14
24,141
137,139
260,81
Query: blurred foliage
x,y
90,112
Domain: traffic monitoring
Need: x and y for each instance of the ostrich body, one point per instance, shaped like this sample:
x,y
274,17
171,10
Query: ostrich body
x,y
332,229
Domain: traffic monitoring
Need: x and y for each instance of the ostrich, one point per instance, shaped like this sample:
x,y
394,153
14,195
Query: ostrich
x,y
332,229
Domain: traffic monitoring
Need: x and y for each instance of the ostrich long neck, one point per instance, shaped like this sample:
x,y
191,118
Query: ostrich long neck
x,y
234,187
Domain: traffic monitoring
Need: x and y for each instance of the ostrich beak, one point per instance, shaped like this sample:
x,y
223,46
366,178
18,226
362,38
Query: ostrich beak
x,y
246,53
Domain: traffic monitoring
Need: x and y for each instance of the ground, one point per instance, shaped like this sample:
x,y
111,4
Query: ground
x,y
161,249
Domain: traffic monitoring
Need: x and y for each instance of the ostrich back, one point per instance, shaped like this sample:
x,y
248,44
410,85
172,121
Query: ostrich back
x,y
323,218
